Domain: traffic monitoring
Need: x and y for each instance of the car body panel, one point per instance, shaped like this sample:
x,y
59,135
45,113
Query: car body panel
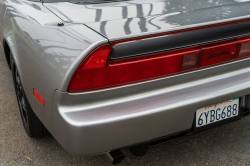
x,y
137,18
77,12
119,117
43,52
47,56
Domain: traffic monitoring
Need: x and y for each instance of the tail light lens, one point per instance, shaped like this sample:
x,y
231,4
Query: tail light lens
x,y
96,71
219,52
152,66
190,61
92,71
98,58
245,47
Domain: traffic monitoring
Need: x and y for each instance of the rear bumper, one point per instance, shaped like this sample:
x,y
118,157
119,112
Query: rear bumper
x,y
100,121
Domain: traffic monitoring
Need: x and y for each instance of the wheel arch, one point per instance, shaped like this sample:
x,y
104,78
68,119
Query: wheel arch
x,y
6,49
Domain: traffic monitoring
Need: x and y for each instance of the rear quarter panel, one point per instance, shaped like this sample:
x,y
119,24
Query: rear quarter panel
x,y
44,53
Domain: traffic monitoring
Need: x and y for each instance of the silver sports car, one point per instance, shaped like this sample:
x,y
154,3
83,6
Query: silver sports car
x,y
101,75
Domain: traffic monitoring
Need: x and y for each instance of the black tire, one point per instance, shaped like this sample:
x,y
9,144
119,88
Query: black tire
x,y
32,125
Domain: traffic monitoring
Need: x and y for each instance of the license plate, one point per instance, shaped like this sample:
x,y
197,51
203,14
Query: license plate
x,y
217,112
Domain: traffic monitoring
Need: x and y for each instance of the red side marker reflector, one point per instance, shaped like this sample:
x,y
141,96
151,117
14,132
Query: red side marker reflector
x,y
38,97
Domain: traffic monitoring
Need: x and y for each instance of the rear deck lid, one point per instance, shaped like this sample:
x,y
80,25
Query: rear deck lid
x,y
126,19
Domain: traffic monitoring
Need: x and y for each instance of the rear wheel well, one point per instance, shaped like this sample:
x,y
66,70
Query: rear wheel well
x,y
7,52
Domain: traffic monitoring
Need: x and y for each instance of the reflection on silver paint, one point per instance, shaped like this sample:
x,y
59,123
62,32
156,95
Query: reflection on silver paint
x,y
144,111
47,56
130,9
60,14
136,18
34,10
242,0
87,115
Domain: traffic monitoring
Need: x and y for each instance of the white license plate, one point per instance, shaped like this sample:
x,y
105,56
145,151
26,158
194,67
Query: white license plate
x,y
217,112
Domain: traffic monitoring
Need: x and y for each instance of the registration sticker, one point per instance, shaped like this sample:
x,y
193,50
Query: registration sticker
x,y
217,112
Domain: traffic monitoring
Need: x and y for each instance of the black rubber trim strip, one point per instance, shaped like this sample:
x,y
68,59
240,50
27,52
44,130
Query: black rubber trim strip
x,y
179,40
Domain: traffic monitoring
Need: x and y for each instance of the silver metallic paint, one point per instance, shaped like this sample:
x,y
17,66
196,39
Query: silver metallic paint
x,y
139,17
114,118
99,121
131,9
45,55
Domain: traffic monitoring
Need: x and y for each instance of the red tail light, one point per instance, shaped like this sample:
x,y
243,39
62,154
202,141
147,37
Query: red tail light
x,y
96,71
98,58
245,47
219,52
92,72
190,61
156,65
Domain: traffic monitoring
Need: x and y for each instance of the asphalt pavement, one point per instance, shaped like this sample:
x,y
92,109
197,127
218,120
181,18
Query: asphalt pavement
x,y
224,145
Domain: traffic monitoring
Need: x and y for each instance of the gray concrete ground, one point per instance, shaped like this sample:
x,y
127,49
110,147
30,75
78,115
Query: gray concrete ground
x,y
225,145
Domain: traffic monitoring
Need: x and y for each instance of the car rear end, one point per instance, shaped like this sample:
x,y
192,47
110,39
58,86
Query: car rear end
x,y
157,78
